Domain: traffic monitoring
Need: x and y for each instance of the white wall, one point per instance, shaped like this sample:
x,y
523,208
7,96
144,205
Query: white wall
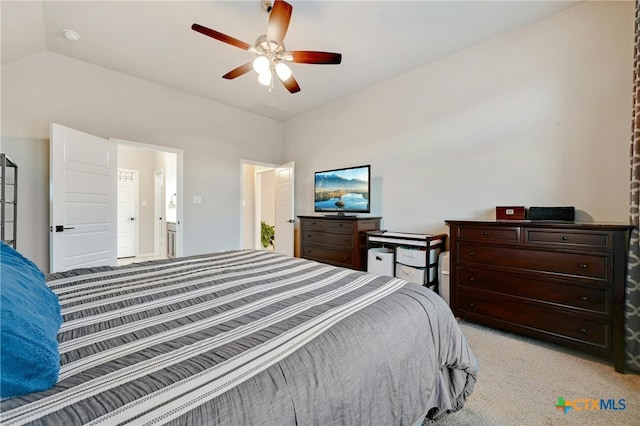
x,y
48,87
538,117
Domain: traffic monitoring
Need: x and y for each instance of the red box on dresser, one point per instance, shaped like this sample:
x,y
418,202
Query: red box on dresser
x,y
510,213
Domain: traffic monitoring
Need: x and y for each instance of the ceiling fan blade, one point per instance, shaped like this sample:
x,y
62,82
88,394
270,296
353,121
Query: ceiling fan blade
x,y
219,36
237,72
291,84
279,18
309,57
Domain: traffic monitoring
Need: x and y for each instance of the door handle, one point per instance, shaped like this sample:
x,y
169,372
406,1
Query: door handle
x,y
61,228
132,218
291,221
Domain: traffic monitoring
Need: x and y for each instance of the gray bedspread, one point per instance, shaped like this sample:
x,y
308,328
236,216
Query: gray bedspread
x,y
249,338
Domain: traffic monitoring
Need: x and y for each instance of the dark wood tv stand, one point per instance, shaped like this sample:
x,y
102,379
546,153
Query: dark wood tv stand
x,y
337,240
563,282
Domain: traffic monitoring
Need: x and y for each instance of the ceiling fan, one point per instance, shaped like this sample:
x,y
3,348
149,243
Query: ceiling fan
x,y
269,48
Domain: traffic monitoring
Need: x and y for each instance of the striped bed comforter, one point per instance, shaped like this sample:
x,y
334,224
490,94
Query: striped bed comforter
x,y
248,338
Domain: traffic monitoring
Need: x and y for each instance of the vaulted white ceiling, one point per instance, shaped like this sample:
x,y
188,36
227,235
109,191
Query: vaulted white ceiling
x,y
154,41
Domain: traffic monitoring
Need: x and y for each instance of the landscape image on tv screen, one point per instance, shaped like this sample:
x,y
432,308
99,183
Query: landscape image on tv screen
x,y
342,190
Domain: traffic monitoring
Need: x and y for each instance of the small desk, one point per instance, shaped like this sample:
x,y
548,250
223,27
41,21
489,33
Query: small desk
x,y
432,243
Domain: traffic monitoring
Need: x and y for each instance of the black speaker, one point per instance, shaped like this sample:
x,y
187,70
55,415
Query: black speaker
x,y
552,213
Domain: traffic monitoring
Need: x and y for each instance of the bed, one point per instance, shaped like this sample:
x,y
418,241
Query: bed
x,y
248,337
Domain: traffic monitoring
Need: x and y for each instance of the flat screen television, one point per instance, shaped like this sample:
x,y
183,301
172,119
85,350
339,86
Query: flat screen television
x,y
343,191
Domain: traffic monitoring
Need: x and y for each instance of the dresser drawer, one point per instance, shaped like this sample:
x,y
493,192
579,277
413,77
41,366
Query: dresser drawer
x,y
587,265
334,239
569,238
552,322
314,224
335,257
595,300
340,226
511,234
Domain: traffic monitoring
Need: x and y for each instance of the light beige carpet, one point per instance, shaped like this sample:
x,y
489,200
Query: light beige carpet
x,y
521,379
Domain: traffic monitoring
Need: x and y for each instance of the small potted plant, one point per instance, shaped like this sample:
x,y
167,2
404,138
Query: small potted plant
x,y
267,234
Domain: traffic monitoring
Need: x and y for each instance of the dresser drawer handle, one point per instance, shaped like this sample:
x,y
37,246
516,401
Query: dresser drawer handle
x,y
583,330
583,265
472,305
485,233
471,253
565,238
584,298
472,278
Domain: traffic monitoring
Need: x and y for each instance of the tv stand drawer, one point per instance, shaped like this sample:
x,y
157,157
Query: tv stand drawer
x,y
334,257
335,239
319,223
340,226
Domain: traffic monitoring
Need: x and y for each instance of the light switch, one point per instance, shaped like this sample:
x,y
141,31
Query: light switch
x,y
197,199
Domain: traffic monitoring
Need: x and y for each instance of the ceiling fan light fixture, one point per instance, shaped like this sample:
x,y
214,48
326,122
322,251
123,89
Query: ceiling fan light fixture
x,y
264,78
261,64
283,71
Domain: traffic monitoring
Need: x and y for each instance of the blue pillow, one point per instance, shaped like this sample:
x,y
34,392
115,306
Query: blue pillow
x,y
29,322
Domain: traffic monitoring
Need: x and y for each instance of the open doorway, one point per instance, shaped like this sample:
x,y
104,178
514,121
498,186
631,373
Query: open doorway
x,y
267,196
258,202
158,211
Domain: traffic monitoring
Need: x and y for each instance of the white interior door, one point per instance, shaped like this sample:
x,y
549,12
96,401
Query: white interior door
x,y
127,213
285,220
83,200
159,214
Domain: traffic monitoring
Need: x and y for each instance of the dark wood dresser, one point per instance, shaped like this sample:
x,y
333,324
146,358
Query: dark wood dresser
x,y
559,281
337,240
